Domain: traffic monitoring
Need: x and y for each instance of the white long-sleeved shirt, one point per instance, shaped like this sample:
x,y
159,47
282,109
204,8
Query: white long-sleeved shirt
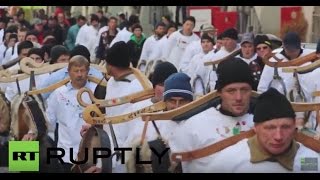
x,y
117,89
166,128
191,50
267,76
12,89
177,44
64,109
236,159
102,30
151,49
123,35
88,36
196,68
202,130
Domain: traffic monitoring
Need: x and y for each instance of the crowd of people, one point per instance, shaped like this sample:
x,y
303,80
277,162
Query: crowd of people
x,y
179,77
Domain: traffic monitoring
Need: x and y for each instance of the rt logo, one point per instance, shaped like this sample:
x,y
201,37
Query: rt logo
x,y
23,155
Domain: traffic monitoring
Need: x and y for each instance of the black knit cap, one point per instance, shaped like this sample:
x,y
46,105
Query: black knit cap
x,y
262,39
118,55
230,33
233,71
272,105
80,50
161,72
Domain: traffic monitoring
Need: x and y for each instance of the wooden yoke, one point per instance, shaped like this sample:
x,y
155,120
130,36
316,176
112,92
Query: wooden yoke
x,y
93,115
233,54
308,141
12,78
142,79
172,114
132,98
303,69
220,145
294,62
61,83
147,93
27,65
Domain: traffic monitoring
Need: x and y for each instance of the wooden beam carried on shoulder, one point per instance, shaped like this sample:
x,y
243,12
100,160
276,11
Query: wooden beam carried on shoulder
x,y
233,54
63,82
132,98
27,65
170,115
93,115
294,62
302,69
220,145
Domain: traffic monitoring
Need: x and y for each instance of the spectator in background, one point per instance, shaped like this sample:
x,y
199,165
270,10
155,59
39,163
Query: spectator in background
x,y
135,44
73,32
72,21
102,19
38,27
55,29
123,21
88,36
32,36
22,21
44,20
125,34
64,24
22,32
106,38
42,14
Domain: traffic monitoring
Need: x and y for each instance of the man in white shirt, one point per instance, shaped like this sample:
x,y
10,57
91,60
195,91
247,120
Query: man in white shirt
x,y
88,36
291,50
196,69
229,37
230,117
195,47
11,89
126,32
151,48
176,93
64,109
273,148
179,40
122,83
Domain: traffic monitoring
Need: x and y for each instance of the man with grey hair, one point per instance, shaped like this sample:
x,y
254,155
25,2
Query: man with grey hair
x,y
64,109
